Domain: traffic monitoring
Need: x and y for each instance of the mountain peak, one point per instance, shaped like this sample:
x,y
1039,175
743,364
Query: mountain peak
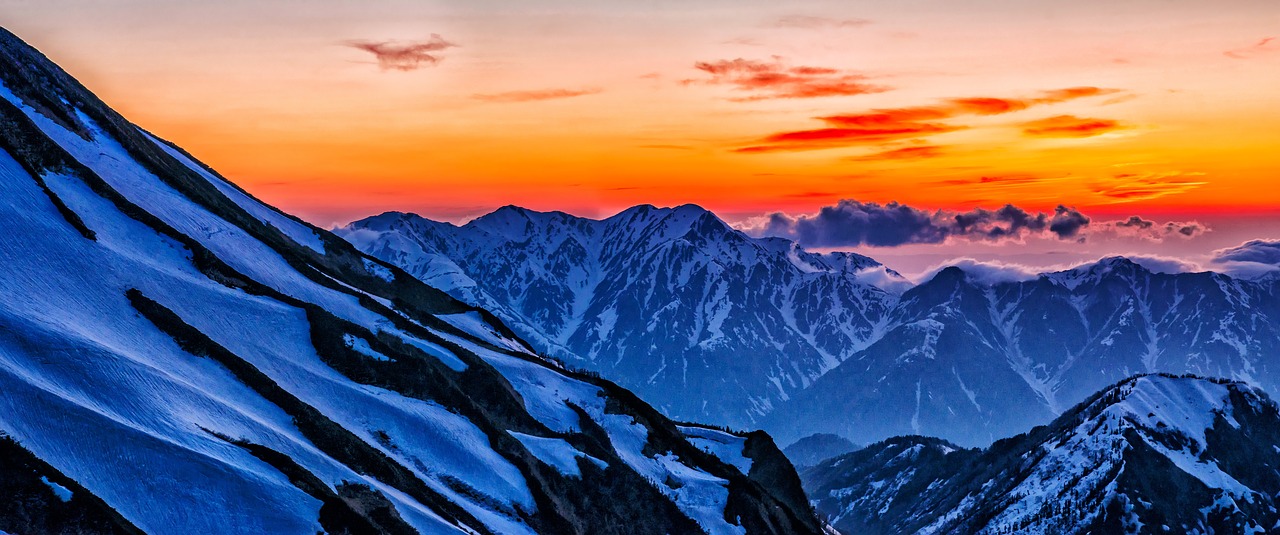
x,y
949,276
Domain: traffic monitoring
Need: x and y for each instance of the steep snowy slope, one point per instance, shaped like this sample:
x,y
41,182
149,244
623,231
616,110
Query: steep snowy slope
x,y
703,321
1155,454
177,357
971,361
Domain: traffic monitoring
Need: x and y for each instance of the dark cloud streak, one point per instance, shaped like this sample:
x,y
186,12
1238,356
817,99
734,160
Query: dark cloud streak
x,y
404,56
776,80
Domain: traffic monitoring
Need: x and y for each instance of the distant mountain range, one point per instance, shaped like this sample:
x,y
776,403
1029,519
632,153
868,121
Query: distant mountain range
x,y
713,325
701,320
1152,454
178,357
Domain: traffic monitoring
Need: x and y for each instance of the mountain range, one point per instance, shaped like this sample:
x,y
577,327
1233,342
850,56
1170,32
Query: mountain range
x,y
711,324
178,357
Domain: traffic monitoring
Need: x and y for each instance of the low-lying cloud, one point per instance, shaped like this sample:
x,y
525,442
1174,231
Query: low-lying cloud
x,y
851,223
404,55
1250,259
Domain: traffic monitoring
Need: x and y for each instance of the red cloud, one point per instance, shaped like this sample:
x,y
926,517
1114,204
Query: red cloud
x,y
1263,46
405,56
988,106
775,80
825,138
539,94
893,124
1069,126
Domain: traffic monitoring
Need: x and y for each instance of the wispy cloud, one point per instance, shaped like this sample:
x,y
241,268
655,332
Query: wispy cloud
x,y
907,153
814,22
1129,187
535,95
1069,126
1266,45
894,124
775,79
404,55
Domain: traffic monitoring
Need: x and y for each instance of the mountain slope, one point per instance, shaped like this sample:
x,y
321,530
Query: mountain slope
x,y
1153,453
707,323
167,339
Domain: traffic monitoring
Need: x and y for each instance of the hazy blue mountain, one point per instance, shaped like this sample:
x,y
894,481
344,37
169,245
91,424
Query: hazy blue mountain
x,y
816,448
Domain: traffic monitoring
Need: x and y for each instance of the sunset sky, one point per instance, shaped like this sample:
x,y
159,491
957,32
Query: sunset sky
x,y
334,110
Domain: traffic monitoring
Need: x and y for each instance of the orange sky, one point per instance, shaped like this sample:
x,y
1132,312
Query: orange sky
x,y
1142,106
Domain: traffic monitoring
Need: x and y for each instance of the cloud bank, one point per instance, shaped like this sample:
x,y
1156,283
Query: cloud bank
x,y
851,223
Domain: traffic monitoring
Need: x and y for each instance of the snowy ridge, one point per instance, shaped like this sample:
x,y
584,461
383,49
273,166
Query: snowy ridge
x,y
256,375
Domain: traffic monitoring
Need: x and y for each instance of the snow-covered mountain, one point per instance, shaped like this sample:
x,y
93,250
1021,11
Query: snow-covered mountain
x,y
177,357
1152,454
698,318
685,311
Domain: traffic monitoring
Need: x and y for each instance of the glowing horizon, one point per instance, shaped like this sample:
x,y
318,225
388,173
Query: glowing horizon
x,y
338,110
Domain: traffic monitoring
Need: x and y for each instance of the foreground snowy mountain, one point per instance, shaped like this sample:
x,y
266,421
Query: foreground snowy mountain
x,y
684,310
177,357
706,322
1152,454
